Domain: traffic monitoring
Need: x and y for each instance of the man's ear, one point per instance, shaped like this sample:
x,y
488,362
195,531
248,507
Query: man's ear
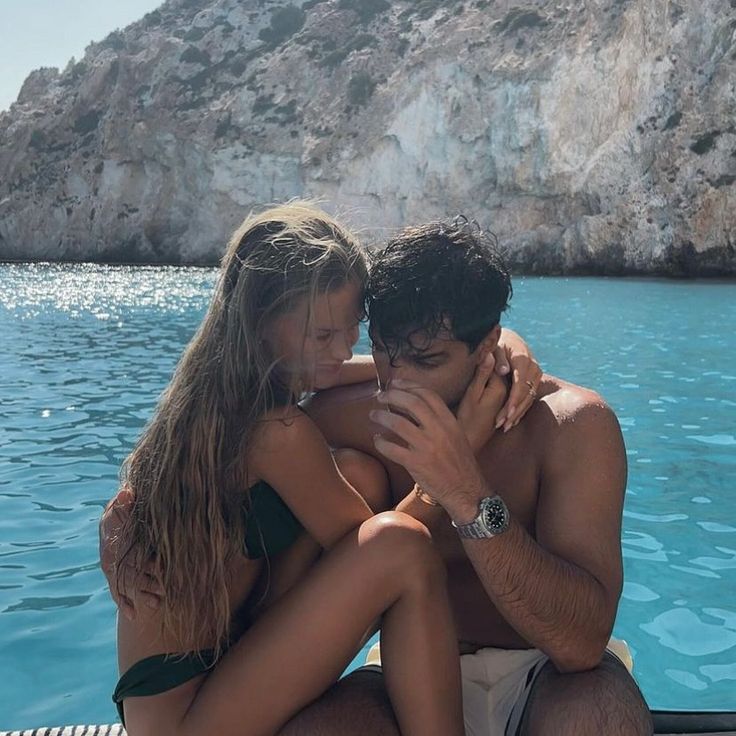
x,y
489,343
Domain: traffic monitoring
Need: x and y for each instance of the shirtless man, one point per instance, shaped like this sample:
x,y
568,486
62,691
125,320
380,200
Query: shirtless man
x,y
528,521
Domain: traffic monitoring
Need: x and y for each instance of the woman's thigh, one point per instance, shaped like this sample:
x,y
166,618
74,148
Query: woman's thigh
x,y
281,573
299,646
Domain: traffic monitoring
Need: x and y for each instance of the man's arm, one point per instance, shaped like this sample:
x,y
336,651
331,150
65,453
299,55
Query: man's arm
x,y
561,591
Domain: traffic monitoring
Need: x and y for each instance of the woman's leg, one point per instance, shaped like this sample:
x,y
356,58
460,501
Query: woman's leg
x,y
280,574
300,646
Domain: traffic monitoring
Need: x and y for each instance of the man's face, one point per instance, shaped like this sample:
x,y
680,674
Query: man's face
x,y
443,364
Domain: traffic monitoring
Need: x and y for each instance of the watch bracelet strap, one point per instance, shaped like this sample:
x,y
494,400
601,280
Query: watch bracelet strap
x,y
470,531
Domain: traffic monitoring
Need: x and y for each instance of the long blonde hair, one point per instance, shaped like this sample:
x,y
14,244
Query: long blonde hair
x,y
187,470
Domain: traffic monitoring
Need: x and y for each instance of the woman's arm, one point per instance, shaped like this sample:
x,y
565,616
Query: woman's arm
x,y
514,355
292,456
359,369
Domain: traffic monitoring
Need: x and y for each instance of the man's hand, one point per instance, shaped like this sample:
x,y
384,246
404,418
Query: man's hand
x,y
483,399
513,355
131,588
437,453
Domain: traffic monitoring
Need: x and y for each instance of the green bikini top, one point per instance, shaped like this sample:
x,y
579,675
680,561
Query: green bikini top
x,y
270,525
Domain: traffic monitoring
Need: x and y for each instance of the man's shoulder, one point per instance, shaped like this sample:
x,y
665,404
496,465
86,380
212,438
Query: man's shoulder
x,y
568,416
573,425
566,402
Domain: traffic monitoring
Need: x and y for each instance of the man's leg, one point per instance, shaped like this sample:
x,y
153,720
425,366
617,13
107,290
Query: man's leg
x,y
356,706
602,701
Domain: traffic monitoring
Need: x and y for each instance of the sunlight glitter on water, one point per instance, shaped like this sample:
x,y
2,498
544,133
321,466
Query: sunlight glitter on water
x,y
87,350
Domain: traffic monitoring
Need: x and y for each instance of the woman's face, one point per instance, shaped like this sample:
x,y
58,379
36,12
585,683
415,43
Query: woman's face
x,y
312,347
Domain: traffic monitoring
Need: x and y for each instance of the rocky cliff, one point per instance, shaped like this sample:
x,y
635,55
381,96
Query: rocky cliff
x,y
593,137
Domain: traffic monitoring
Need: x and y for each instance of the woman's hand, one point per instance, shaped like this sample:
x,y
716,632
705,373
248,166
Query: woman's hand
x,y
131,587
436,453
483,399
513,355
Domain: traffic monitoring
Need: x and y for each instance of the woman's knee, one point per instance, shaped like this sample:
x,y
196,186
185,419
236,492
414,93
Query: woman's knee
x,y
405,544
367,475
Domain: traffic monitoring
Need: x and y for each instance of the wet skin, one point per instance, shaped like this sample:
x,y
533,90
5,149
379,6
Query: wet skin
x,y
516,465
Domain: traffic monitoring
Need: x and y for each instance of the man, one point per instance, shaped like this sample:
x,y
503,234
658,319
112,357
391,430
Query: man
x,y
529,525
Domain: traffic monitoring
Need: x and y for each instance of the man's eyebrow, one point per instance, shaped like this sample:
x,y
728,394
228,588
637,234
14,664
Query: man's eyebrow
x,y
414,354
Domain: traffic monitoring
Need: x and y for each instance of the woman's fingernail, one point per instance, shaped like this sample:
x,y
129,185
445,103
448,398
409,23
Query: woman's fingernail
x,y
500,421
503,370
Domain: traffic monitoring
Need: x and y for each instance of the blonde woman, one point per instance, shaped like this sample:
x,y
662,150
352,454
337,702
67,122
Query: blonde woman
x,y
230,494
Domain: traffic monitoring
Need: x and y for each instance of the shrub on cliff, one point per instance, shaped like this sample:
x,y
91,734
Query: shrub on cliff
x,y
38,140
360,88
87,122
285,22
193,55
367,10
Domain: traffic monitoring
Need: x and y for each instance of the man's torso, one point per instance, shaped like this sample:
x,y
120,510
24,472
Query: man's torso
x,y
513,465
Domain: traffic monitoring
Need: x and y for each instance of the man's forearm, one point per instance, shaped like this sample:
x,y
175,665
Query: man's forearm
x,y
555,605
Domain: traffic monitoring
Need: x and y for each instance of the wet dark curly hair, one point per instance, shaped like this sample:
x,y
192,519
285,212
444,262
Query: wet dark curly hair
x,y
434,277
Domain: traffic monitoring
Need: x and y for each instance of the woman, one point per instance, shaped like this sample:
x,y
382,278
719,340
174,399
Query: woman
x,y
231,492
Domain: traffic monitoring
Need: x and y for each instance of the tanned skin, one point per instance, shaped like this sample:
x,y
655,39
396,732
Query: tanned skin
x,y
553,580
557,571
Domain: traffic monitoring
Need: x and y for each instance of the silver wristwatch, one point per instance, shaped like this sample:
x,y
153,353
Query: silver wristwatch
x,y
492,520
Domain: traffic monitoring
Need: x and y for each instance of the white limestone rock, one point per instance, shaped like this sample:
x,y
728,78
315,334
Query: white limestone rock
x,y
591,137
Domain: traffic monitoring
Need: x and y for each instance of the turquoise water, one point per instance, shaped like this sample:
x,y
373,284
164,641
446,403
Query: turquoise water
x,y
86,350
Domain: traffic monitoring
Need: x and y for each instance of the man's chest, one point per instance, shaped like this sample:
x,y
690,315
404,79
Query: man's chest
x,y
511,469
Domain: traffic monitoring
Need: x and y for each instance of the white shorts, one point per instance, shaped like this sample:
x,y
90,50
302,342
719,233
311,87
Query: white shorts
x,y
497,683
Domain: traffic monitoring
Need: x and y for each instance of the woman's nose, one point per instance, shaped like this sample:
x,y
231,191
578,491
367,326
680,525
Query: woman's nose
x,y
342,347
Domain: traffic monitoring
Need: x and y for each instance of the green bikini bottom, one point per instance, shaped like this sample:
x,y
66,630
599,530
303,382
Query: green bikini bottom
x,y
159,673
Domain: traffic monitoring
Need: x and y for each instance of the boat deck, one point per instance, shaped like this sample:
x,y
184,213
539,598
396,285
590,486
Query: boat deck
x,y
117,730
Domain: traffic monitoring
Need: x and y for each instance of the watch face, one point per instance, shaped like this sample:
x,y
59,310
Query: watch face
x,y
495,516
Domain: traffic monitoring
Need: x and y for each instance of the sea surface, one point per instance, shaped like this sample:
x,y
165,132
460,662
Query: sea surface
x,y
87,349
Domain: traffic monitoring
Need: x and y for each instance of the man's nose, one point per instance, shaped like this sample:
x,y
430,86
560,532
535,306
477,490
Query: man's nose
x,y
388,373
